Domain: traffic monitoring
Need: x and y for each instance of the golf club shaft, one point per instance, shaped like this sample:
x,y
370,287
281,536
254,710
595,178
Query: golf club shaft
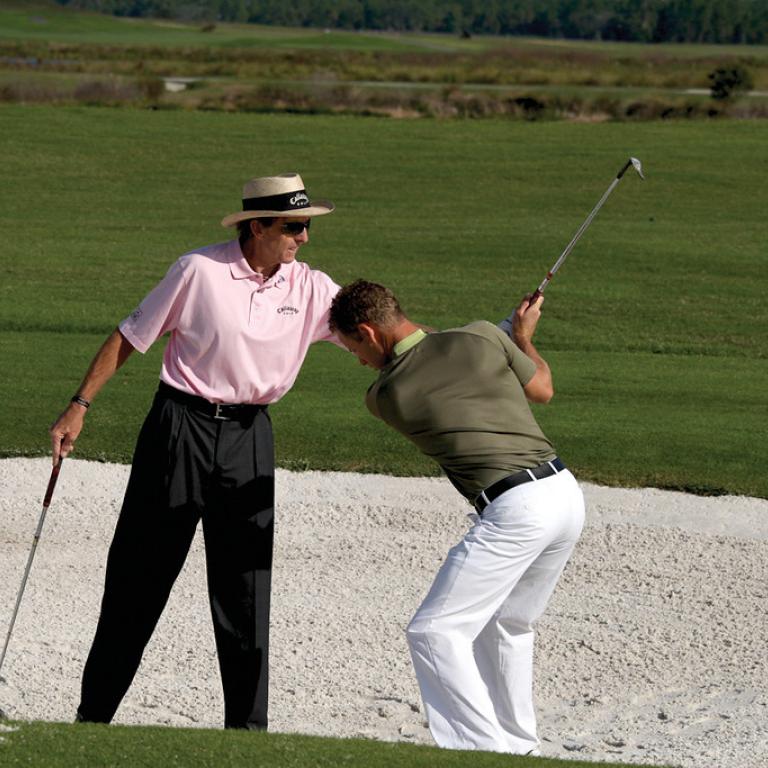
x,y
583,227
46,503
575,239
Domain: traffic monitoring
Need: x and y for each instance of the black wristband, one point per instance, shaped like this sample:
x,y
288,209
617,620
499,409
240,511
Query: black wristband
x,y
81,401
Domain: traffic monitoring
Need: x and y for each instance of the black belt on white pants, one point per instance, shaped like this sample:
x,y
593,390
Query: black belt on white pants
x,y
492,492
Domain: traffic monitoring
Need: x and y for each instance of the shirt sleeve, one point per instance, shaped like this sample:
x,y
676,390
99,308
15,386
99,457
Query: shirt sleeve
x,y
371,399
325,290
159,311
521,365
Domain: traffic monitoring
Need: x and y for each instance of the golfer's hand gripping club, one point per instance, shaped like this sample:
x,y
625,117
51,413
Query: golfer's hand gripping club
x,y
64,431
525,318
632,162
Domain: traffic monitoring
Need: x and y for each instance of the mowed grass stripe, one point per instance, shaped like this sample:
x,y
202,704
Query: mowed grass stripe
x,y
655,325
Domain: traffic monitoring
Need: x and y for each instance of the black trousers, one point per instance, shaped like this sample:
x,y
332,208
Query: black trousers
x,y
189,466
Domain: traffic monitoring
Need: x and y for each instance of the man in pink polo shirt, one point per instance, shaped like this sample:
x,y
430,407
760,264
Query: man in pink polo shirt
x,y
241,316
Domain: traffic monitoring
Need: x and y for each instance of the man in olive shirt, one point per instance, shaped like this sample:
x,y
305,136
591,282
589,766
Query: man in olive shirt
x,y
461,396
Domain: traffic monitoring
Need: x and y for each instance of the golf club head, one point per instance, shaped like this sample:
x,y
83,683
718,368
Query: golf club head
x,y
637,165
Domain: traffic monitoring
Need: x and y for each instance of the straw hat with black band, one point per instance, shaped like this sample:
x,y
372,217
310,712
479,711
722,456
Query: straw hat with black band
x,y
273,196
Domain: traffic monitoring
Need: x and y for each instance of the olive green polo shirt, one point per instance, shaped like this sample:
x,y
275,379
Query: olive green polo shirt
x,y
458,396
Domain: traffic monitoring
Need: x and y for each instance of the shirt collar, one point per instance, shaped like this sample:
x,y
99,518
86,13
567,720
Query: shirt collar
x,y
241,269
408,342
238,266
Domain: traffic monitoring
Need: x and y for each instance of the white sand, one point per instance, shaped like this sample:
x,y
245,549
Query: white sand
x,y
652,650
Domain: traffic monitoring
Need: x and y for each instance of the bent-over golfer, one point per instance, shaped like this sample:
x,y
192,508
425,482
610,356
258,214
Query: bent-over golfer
x,y
241,316
461,396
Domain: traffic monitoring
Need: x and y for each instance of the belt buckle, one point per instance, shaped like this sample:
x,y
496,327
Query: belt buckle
x,y
217,414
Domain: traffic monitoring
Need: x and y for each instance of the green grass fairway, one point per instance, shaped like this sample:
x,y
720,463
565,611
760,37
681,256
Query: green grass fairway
x,y
88,746
655,327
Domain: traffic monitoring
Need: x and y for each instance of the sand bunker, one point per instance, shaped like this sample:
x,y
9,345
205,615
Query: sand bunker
x,y
652,650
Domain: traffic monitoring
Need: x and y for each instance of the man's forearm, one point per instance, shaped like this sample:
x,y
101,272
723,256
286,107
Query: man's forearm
x,y
113,353
524,321
542,367
65,430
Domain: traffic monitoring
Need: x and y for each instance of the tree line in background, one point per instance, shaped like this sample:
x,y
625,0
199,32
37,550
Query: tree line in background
x,y
692,21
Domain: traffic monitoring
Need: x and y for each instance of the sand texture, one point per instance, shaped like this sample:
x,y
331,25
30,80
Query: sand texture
x,y
653,648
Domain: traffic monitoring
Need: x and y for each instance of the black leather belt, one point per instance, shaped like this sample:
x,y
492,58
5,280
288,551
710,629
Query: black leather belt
x,y
220,411
493,492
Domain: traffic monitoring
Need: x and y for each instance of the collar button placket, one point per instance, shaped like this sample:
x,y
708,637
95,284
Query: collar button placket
x,y
255,305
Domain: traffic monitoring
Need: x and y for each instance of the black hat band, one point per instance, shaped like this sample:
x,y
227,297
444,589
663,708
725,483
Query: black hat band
x,y
288,201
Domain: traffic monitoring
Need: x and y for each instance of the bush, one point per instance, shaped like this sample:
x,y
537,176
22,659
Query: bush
x,y
726,82
151,87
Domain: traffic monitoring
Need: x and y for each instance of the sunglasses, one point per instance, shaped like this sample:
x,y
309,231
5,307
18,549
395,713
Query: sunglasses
x,y
294,228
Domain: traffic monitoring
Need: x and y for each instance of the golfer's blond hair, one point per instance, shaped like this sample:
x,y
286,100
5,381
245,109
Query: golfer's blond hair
x,y
363,302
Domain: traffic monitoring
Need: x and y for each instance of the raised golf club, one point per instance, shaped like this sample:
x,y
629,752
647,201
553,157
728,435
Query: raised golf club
x,y
632,162
46,503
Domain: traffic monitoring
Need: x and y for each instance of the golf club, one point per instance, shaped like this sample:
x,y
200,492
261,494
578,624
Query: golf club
x,y
634,163
46,503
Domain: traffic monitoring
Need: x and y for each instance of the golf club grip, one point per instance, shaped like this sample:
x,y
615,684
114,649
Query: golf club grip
x,y
624,169
52,484
535,296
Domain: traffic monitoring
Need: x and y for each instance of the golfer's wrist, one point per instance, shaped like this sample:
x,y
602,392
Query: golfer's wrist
x,y
524,342
81,401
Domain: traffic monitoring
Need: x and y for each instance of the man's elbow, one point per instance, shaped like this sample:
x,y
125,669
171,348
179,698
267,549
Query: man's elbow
x,y
541,394
540,388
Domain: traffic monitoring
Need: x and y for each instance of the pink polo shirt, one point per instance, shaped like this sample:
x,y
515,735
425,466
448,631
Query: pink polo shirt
x,y
235,338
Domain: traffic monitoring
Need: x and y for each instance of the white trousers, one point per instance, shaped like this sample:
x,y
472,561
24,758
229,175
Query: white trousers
x,y
471,640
